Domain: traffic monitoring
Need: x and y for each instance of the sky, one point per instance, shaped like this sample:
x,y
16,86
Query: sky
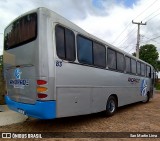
x,y
109,20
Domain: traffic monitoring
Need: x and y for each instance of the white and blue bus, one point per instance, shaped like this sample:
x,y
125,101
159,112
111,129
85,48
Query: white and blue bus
x,y
54,69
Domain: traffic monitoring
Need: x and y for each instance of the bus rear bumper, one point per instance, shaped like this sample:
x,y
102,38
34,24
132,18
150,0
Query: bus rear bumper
x,y
41,109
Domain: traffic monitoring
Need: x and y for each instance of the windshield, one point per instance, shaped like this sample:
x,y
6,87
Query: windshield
x,y
21,31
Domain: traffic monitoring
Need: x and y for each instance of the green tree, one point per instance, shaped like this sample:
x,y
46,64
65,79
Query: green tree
x,y
149,54
134,54
158,65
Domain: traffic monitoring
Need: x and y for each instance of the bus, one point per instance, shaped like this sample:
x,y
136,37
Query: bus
x,y
54,69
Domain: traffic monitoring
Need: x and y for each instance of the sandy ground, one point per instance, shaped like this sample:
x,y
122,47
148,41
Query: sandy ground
x,y
136,117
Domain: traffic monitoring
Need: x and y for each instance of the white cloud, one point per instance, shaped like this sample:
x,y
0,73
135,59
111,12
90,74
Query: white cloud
x,y
106,20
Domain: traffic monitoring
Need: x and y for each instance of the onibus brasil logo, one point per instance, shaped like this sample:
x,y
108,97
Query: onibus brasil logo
x,y
18,82
143,88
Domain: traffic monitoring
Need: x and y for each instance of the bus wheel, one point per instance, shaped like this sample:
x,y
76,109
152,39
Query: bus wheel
x,y
111,106
147,97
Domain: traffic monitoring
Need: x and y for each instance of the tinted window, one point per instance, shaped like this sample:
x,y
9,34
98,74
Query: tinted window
x,y
111,59
120,62
128,64
133,66
138,68
65,43
99,52
60,42
142,69
84,50
70,44
21,31
148,71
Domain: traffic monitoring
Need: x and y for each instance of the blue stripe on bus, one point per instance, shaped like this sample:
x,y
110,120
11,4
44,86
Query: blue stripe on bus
x,y
41,109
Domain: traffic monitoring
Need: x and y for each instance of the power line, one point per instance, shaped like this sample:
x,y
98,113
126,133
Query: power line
x,y
151,14
134,19
124,39
131,49
127,45
121,32
134,28
153,17
156,35
151,39
146,8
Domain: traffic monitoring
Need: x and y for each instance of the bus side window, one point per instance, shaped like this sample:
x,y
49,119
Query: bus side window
x,y
120,62
84,50
142,69
148,72
60,41
138,68
65,43
133,66
128,64
111,59
99,52
70,45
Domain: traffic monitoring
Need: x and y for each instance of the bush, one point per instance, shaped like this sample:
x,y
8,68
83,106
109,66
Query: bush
x,y
157,85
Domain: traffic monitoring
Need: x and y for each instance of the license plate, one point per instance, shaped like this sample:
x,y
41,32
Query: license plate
x,y
21,111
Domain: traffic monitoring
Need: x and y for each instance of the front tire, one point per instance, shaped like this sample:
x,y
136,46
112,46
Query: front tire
x,y
111,106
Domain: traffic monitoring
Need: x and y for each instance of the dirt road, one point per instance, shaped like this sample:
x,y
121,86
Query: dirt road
x,y
132,118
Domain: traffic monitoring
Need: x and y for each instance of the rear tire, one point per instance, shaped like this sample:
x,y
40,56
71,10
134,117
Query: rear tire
x,y
147,98
111,106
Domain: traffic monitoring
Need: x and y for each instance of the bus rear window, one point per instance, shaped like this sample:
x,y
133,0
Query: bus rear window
x,y
21,31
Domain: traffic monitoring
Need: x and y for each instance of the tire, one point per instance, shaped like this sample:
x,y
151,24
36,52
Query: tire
x,y
111,106
147,98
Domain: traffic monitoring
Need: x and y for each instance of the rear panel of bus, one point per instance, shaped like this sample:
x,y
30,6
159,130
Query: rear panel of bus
x,y
29,79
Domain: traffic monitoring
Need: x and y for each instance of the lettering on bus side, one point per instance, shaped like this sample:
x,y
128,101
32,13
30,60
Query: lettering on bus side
x,y
19,83
133,80
58,63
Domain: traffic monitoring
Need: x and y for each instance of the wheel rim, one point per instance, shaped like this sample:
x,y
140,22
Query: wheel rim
x,y
111,106
146,98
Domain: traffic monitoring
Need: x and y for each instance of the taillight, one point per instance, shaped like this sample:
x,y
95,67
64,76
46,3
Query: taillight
x,y
42,95
41,82
41,89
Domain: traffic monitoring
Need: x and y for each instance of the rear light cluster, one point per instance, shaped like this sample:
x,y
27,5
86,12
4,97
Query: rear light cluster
x,y
41,89
41,82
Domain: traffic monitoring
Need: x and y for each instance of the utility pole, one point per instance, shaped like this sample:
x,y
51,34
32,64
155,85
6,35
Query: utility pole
x,y
138,36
